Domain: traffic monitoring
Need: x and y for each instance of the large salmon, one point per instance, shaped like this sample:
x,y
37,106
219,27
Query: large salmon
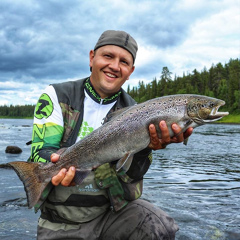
x,y
125,133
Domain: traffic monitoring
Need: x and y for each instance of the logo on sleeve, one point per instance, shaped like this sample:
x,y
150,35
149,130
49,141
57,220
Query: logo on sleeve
x,y
44,107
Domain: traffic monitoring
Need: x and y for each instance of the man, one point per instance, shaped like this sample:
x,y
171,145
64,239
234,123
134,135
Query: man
x,y
106,205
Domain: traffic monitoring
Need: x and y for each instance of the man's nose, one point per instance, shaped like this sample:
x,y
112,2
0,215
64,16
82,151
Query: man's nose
x,y
114,65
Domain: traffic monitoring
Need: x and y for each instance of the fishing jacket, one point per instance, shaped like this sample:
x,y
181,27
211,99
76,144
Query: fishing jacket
x,y
58,118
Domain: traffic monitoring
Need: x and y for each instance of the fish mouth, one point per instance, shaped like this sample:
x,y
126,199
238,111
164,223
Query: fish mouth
x,y
215,115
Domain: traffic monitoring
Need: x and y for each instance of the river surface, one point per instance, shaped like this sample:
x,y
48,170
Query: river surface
x,y
198,184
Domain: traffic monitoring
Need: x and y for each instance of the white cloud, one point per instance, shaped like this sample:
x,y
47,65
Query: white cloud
x,y
211,40
46,42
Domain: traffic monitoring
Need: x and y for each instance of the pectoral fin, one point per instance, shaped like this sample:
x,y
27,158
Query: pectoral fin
x,y
185,141
124,163
188,123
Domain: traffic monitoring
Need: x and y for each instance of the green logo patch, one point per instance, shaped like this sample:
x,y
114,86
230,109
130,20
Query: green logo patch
x,y
44,107
85,130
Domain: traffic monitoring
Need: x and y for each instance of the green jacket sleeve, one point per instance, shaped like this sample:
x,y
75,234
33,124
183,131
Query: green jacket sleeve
x,y
47,128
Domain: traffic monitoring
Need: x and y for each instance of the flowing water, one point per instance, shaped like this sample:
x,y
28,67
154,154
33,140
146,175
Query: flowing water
x,y
198,184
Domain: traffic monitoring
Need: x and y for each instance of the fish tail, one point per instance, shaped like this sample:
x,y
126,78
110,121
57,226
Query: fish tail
x,y
32,185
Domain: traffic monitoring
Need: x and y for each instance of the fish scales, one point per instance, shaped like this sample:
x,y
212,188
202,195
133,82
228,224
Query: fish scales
x,y
125,133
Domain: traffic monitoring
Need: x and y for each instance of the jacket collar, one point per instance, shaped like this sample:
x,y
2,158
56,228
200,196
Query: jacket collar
x,y
95,96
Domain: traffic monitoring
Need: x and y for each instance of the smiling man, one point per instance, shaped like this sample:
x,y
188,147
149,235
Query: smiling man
x,y
106,205
111,67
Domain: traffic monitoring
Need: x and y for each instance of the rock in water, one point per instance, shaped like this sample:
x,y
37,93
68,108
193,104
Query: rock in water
x,y
13,150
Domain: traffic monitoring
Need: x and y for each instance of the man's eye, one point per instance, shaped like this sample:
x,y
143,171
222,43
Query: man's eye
x,y
125,62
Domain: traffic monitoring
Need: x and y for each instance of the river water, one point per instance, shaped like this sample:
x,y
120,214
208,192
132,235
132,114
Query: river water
x,y
198,184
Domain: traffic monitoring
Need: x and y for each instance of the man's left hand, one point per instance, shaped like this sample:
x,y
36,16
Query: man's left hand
x,y
157,143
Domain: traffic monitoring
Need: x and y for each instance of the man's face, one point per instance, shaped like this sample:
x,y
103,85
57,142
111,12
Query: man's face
x,y
111,67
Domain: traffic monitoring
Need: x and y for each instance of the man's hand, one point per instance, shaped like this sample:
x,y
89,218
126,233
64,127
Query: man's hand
x,y
156,143
64,177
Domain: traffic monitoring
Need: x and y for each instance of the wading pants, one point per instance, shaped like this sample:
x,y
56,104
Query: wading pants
x,y
139,220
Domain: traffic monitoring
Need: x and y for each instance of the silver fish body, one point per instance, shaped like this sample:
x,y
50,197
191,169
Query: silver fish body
x,y
125,133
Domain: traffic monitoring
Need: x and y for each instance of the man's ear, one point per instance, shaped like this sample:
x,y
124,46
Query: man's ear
x,y
133,68
91,56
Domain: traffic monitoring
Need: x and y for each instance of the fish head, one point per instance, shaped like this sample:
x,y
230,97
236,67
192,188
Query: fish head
x,y
203,109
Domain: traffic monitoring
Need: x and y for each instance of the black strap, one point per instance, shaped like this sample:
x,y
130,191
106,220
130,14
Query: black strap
x,y
76,200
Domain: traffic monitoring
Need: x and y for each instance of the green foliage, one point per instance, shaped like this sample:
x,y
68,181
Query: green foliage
x,y
232,118
17,111
220,81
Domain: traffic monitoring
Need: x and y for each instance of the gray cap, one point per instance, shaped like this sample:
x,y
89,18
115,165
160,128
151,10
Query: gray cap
x,y
118,38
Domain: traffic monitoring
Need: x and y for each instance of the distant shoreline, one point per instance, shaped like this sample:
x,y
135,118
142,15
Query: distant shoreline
x,y
230,123
7,117
230,119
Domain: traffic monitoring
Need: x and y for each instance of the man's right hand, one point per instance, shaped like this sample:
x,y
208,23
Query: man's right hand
x,y
65,176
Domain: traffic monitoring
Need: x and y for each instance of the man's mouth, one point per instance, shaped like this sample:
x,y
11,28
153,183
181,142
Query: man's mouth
x,y
111,75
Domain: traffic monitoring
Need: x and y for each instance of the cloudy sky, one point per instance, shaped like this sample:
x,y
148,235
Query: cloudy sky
x,y
48,41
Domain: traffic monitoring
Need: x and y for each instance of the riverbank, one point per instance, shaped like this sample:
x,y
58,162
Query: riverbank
x,y
11,117
231,118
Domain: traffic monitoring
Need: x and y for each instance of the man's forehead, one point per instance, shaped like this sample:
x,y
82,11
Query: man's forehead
x,y
114,50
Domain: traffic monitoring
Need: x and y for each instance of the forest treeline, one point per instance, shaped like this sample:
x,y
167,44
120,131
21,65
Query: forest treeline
x,y
220,81
18,111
